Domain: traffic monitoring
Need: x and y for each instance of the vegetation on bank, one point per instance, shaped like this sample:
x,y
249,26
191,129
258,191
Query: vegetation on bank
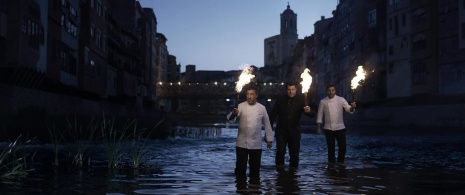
x,y
124,145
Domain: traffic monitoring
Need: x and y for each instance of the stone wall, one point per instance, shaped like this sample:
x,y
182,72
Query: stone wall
x,y
447,115
27,111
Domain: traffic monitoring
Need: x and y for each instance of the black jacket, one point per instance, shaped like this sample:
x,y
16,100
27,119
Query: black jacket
x,y
288,110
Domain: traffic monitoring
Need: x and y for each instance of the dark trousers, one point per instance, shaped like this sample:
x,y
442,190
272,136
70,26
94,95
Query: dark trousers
x,y
253,156
293,142
331,138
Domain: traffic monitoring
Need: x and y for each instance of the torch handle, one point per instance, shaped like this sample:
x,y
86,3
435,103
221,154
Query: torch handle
x,y
353,95
305,99
237,100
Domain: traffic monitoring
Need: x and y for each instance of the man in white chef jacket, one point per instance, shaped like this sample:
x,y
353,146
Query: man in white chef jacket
x,y
332,108
252,116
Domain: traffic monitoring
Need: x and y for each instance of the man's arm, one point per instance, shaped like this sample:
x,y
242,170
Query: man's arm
x,y
318,128
231,118
268,129
274,113
319,118
348,108
308,111
352,106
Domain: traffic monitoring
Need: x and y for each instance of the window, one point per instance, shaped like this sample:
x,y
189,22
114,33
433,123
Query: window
x,y
463,31
63,20
72,11
33,31
419,42
99,9
396,25
404,19
419,16
404,42
396,4
390,23
98,38
419,73
391,68
372,18
391,50
92,32
72,29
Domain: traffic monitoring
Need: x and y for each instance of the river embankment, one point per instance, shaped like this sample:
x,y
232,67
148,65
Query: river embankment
x,y
32,113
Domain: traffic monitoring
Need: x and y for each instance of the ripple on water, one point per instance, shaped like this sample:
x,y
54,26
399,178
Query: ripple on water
x,y
201,161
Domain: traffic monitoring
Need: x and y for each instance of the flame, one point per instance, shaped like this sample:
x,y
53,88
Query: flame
x,y
360,76
306,80
244,78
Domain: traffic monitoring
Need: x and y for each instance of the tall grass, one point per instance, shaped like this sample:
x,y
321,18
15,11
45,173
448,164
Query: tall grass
x,y
56,138
113,141
82,138
140,149
13,160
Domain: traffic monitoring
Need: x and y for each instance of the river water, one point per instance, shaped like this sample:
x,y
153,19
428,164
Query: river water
x,y
201,161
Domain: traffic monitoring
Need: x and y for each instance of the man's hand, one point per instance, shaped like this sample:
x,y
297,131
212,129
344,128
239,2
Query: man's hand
x,y
269,144
307,109
353,104
318,129
235,111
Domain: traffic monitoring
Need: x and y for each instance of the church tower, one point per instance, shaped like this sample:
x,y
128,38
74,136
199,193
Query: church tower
x,y
279,47
289,23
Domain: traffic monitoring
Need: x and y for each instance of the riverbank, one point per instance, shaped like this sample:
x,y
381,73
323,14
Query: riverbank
x,y
32,113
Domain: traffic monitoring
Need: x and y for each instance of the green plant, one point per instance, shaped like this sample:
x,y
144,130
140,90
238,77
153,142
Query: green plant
x,y
113,141
140,149
56,138
82,139
13,160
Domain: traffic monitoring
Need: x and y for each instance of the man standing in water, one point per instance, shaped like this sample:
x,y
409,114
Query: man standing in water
x,y
332,108
252,115
288,109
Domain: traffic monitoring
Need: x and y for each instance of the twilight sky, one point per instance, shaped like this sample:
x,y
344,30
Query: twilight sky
x,y
225,34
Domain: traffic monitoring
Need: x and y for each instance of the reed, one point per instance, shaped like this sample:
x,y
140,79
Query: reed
x,y
56,138
140,149
13,160
82,138
113,141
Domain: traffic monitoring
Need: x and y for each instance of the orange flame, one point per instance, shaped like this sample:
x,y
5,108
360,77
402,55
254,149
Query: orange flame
x,y
306,80
244,78
360,76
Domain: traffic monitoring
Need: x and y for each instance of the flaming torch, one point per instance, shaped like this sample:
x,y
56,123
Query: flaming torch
x,y
306,82
360,75
244,79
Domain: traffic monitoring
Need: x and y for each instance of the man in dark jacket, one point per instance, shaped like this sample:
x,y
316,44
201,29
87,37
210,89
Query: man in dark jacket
x,y
288,109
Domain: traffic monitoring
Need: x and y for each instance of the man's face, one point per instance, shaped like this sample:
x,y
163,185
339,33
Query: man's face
x,y
251,96
291,91
331,92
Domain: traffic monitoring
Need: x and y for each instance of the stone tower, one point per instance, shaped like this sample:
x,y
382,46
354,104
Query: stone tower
x,y
281,46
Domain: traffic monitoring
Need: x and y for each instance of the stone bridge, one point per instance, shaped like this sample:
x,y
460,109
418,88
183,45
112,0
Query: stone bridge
x,y
216,90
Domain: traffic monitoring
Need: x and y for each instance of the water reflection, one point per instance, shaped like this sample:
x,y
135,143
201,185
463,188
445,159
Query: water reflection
x,y
200,160
286,181
250,186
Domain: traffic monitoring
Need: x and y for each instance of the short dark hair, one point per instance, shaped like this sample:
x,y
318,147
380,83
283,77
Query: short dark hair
x,y
291,84
328,86
252,87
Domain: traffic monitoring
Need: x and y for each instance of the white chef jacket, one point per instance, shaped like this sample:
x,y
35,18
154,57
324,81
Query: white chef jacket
x,y
251,119
332,110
